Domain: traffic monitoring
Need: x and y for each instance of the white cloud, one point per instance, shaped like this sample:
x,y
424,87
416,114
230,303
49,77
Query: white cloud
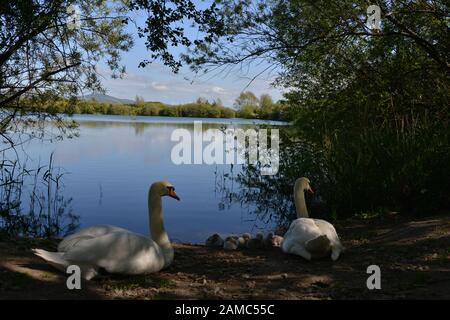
x,y
155,83
218,90
159,86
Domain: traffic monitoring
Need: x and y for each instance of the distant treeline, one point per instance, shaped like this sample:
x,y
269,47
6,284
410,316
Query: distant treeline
x,y
246,106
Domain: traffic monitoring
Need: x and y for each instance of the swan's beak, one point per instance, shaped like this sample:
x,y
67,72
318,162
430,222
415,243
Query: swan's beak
x,y
310,190
173,194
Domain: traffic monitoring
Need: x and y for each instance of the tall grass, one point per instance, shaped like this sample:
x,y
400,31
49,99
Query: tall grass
x,y
32,203
384,169
405,169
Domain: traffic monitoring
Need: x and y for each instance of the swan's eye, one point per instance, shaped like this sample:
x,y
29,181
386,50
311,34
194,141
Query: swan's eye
x,y
171,193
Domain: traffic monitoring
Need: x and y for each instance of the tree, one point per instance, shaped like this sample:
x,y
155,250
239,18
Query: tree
x,y
246,99
164,27
266,105
246,104
286,32
139,101
217,103
43,57
366,99
202,100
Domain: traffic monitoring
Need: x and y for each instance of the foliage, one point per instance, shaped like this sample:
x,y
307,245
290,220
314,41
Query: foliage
x,y
165,27
370,107
249,106
201,108
42,58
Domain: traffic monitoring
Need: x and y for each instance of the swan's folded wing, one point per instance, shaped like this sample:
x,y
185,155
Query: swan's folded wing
x,y
88,233
329,230
69,243
112,251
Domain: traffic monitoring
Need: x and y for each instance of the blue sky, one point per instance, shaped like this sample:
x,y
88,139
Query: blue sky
x,y
156,82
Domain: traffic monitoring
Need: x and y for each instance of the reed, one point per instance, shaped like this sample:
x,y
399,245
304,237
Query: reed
x,y
32,201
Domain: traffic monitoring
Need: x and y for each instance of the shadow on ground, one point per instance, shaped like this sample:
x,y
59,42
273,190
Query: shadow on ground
x,y
413,256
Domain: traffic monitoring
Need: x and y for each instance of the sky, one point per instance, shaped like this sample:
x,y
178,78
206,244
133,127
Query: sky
x,y
157,82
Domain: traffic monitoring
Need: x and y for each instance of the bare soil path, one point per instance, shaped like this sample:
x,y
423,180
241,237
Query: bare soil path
x,y
414,257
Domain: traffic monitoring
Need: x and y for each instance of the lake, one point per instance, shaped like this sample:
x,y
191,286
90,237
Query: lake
x,y
112,163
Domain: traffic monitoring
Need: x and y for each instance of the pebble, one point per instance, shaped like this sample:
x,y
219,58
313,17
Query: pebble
x,y
277,276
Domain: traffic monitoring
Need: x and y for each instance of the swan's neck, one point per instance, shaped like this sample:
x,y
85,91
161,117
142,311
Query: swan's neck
x,y
300,203
157,231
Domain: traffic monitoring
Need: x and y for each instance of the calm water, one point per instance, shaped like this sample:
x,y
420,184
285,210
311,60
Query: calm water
x,y
114,160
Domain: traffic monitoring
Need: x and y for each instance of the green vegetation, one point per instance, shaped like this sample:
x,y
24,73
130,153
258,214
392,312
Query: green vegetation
x,y
263,108
249,106
370,107
137,282
47,213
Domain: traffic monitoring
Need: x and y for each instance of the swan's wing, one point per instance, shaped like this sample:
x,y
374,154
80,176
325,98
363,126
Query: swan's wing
x,y
118,252
85,234
303,228
329,230
300,231
318,245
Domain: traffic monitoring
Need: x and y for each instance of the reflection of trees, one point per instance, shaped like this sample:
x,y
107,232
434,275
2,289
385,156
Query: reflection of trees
x,y
270,198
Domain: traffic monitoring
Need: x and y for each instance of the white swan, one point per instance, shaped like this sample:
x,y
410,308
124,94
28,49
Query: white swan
x,y
118,250
306,237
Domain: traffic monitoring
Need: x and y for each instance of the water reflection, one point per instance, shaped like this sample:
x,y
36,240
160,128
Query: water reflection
x,y
32,202
269,198
113,161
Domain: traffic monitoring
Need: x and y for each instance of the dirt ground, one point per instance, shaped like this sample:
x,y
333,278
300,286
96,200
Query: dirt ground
x,y
414,257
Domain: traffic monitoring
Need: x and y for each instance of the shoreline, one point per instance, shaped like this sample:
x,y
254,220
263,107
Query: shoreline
x,y
166,119
413,256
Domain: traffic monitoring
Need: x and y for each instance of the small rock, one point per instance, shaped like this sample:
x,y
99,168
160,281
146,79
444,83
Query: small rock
x,y
277,276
